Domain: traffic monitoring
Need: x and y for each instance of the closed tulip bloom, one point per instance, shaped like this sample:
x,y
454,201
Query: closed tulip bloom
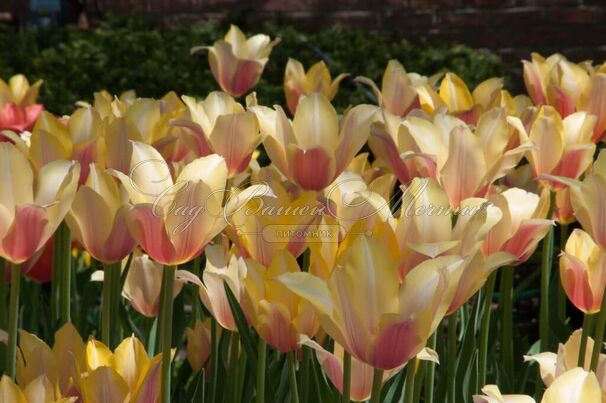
x,y
583,271
222,267
237,62
144,282
174,219
398,93
563,147
278,314
32,206
521,227
315,147
98,217
297,82
18,108
198,344
492,394
381,321
222,126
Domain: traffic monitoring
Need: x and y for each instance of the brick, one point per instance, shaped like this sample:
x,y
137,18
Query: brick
x,y
490,3
433,4
459,19
576,15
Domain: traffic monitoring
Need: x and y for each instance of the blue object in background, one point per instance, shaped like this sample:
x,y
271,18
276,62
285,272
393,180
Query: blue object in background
x,y
44,13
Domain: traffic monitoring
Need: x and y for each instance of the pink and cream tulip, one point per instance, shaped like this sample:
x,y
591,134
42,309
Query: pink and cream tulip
x,y
32,205
298,82
315,147
492,394
18,108
583,271
381,321
198,344
237,62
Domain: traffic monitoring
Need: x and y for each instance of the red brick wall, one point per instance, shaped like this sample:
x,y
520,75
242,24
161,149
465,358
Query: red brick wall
x,y
513,28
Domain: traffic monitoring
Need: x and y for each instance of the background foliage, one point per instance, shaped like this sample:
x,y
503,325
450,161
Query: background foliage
x,y
133,53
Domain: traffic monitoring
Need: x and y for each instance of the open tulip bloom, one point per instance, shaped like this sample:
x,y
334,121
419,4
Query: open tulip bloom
x,y
382,252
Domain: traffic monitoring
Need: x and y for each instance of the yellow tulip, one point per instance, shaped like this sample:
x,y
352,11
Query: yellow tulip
x,y
297,82
583,271
198,344
278,314
315,147
381,321
492,394
18,108
222,126
9,392
97,218
32,206
237,62
574,386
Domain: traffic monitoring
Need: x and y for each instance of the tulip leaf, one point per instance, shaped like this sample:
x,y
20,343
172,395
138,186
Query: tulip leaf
x,y
200,389
242,324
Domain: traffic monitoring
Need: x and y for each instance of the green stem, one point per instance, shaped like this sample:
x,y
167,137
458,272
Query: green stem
x,y
588,320
346,377
410,380
292,377
116,291
452,356
561,294
233,364
546,263
2,294
599,334
262,351
431,372
168,279
63,247
507,349
13,319
195,303
106,310
377,383
305,372
55,279
484,329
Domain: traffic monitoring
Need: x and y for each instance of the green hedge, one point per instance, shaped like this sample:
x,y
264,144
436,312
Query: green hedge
x,y
135,54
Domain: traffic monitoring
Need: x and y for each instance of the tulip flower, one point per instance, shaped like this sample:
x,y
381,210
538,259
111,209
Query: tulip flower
x,y
583,271
198,344
576,385
222,126
98,217
361,374
492,394
297,82
174,220
568,87
381,321
521,227
237,62
81,140
144,281
465,163
32,207
563,147
222,267
398,94
278,314
18,108
314,148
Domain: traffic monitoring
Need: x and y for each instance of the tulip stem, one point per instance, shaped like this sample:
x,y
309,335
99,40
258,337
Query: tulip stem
x,y
195,303
587,328
485,327
346,377
214,358
168,279
598,339
431,372
377,382
546,262
409,386
561,294
13,319
262,351
452,356
2,293
507,352
292,377
63,241
108,310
